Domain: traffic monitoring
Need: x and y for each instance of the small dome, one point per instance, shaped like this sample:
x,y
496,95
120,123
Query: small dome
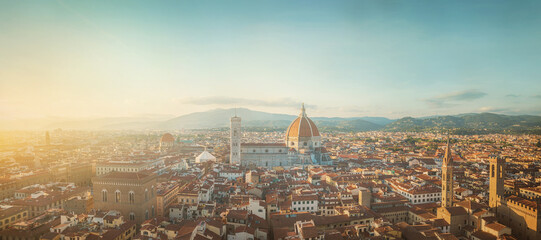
x,y
167,138
302,127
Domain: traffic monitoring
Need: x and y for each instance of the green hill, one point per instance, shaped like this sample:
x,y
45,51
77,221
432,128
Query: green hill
x,y
475,123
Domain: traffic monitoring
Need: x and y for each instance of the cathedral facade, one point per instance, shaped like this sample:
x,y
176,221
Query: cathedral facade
x,y
301,146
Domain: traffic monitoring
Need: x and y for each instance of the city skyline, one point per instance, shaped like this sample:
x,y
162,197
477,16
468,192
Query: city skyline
x,y
343,59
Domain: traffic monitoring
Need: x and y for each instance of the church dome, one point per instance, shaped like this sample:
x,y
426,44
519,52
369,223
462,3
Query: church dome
x,y
302,127
167,138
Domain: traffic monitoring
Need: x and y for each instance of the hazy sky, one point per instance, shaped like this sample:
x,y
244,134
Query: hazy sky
x,y
342,58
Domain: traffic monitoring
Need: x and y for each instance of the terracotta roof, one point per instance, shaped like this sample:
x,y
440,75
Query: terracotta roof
x,y
167,138
302,127
455,211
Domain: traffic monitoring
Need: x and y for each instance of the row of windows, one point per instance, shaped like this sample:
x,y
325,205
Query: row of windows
x,y
131,196
132,215
302,202
13,218
303,208
266,150
303,143
426,195
426,200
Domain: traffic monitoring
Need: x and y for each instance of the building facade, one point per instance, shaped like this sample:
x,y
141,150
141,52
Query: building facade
x,y
131,193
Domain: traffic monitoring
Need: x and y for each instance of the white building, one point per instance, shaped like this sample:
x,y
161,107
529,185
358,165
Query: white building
x,y
304,203
417,195
231,174
301,146
205,156
256,207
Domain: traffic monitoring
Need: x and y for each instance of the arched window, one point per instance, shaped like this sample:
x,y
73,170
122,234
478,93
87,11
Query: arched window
x,y
501,171
152,191
146,215
146,195
132,216
104,195
493,170
132,197
117,196
153,211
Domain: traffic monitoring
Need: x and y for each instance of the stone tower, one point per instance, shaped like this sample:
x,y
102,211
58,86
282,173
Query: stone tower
x,y
235,140
47,138
447,178
496,174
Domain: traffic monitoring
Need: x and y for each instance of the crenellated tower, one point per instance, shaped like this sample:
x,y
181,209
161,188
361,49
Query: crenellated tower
x,y
497,174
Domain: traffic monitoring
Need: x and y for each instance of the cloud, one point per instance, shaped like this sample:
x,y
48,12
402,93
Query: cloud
x,y
512,96
537,96
493,109
451,99
239,102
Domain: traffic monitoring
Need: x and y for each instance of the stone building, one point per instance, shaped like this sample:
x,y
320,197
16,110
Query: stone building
x,y
516,211
131,193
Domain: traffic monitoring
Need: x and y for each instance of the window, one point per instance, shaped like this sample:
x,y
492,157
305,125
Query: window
x,y
146,195
493,170
305,143
132,197
117,196
132,216
146,215
104,195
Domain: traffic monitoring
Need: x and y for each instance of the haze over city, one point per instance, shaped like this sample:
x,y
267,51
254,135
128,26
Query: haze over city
x,y
88,59
270,120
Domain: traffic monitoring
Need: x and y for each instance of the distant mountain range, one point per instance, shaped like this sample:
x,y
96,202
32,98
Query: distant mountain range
x,y
219,118
470,123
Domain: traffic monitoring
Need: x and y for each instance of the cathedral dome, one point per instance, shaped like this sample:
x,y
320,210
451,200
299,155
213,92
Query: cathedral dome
x,y
302,127
167,138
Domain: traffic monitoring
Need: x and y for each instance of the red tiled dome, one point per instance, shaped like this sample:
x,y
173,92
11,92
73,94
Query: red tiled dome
x,y
302,127
167,138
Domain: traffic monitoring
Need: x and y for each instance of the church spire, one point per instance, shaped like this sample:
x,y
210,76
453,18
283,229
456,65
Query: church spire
x,y
447,159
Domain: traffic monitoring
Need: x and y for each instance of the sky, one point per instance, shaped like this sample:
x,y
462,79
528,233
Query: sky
x,y
80,59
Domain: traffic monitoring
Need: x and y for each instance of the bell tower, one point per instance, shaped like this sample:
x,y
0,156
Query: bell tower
x,y
447,178
496,187
235,140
